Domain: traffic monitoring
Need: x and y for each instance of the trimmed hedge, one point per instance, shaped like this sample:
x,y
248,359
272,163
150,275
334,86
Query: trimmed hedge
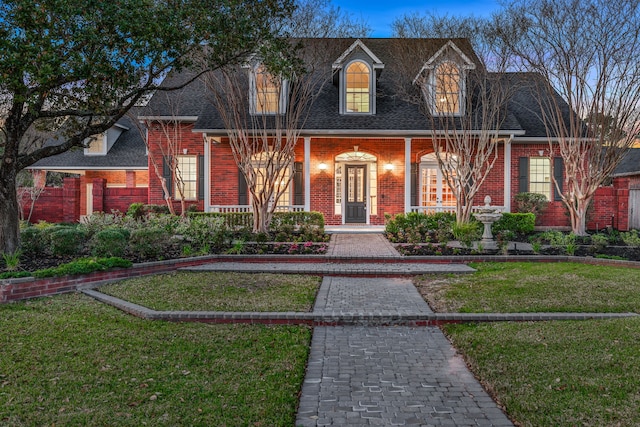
x,y
521,223
239,220
83,266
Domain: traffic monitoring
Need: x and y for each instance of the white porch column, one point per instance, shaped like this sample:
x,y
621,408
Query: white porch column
x,y
507,174
407,175
207,174
307,173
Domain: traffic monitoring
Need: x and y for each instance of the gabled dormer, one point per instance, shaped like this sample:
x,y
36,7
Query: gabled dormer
x,y
99,145
267,93
356,71
442,80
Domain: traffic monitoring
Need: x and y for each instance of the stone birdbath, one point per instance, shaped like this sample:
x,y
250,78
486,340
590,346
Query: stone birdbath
x,y
487,215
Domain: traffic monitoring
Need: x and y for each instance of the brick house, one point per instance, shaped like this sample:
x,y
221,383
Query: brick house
x,y
112,173
363,150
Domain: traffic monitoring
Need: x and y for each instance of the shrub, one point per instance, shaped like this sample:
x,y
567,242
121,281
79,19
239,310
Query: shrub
x,y
149,242
519,223
67,241
99,221
417,227
600,241
205,231
631,238
136,210
531,203
33,241
467,233
83,266
111,242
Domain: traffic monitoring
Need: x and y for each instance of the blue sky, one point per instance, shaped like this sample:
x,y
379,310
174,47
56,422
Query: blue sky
x,y
381,13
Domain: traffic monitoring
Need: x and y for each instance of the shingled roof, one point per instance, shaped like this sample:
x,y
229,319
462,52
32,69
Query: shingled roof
x,y
127,152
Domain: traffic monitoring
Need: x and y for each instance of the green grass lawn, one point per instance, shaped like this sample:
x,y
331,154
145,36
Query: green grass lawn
x,y
212,291
69,360
534,287
558,374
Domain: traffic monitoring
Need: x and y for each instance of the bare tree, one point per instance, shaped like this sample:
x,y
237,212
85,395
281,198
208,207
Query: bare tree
x,y
263,106
320,19
587,51
464,102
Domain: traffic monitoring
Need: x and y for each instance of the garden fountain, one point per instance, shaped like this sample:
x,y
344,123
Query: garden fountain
x,y
487,215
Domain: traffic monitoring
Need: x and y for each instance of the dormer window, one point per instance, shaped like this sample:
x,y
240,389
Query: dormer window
x,y
448,89
358,88
268,94
96,145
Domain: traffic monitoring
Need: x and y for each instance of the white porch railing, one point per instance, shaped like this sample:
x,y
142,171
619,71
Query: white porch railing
x,y
247,208
450,209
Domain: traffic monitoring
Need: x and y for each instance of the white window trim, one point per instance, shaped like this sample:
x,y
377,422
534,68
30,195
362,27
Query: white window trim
x,y
431,93
253,95
175,183
372,90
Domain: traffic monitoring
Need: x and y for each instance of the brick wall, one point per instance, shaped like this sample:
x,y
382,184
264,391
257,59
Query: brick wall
x,y
610,207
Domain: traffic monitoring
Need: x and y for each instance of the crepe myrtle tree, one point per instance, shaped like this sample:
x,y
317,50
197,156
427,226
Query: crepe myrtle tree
x,y
464,96
70,69
262,106
589,98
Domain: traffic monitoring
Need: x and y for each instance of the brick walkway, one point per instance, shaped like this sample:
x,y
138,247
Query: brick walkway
x,y
373,245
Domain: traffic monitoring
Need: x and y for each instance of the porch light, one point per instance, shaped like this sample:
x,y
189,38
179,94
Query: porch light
x,y
322,166
388,166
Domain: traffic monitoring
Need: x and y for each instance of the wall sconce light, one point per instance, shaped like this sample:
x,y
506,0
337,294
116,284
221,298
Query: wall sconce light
x,y
322,166
185,150
388,166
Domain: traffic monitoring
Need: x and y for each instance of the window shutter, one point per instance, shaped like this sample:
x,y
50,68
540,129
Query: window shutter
x,y
200,177
166,174
558,172
523,175
242,189
298,184
414,184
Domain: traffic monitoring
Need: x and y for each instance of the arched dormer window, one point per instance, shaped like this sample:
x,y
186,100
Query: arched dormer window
x,y
268,92
448,89
358,88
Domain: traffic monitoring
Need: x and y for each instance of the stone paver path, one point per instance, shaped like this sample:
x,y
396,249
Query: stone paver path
x,y
393,376
360,246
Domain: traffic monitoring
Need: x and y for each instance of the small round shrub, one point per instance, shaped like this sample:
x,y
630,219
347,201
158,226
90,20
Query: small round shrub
x,y
67,241
149,242
33,241
110,242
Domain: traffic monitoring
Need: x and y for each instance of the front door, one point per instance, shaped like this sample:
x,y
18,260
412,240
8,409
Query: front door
x,y
356,206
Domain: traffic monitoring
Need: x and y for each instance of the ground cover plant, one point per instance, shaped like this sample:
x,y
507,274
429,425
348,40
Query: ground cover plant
x,y
584,373
69,360
535,287
213,291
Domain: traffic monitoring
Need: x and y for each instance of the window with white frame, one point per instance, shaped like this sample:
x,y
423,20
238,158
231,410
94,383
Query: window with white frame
x,y
268,92
358,88
186,182
540,176
448,89
259,162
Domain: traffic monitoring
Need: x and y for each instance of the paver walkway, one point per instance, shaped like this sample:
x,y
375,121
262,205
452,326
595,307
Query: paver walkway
x,y
372,245
394,376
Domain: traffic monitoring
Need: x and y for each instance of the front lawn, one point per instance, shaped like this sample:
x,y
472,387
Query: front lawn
x,y
558,374
534,287
69,360
213,291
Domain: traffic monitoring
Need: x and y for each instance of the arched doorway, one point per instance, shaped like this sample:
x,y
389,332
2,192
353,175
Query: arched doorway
x,y
356,177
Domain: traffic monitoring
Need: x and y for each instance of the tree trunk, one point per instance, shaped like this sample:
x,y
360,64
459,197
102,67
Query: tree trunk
x,y
579,223
9,222
260,218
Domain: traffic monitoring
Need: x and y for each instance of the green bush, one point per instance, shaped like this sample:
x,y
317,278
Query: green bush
x,y
531,203
111,242
519,223
414,227
67,241
205,232
149,242
467,233
139,211
83,266
631,238
33,241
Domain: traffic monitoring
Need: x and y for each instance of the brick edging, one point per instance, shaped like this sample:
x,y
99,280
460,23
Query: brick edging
x,y
29,287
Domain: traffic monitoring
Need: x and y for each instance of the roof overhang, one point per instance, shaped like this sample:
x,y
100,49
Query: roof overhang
x,y
191,119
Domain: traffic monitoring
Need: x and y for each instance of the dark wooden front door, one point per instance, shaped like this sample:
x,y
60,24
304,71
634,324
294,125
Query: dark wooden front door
x,y
356,206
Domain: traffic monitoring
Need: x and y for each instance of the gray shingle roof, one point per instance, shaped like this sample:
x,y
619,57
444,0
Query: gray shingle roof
x,y
630,164
127,152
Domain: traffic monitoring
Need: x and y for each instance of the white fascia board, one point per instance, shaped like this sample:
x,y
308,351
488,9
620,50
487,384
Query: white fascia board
x,y
394,133
168,118
339,62
87,168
